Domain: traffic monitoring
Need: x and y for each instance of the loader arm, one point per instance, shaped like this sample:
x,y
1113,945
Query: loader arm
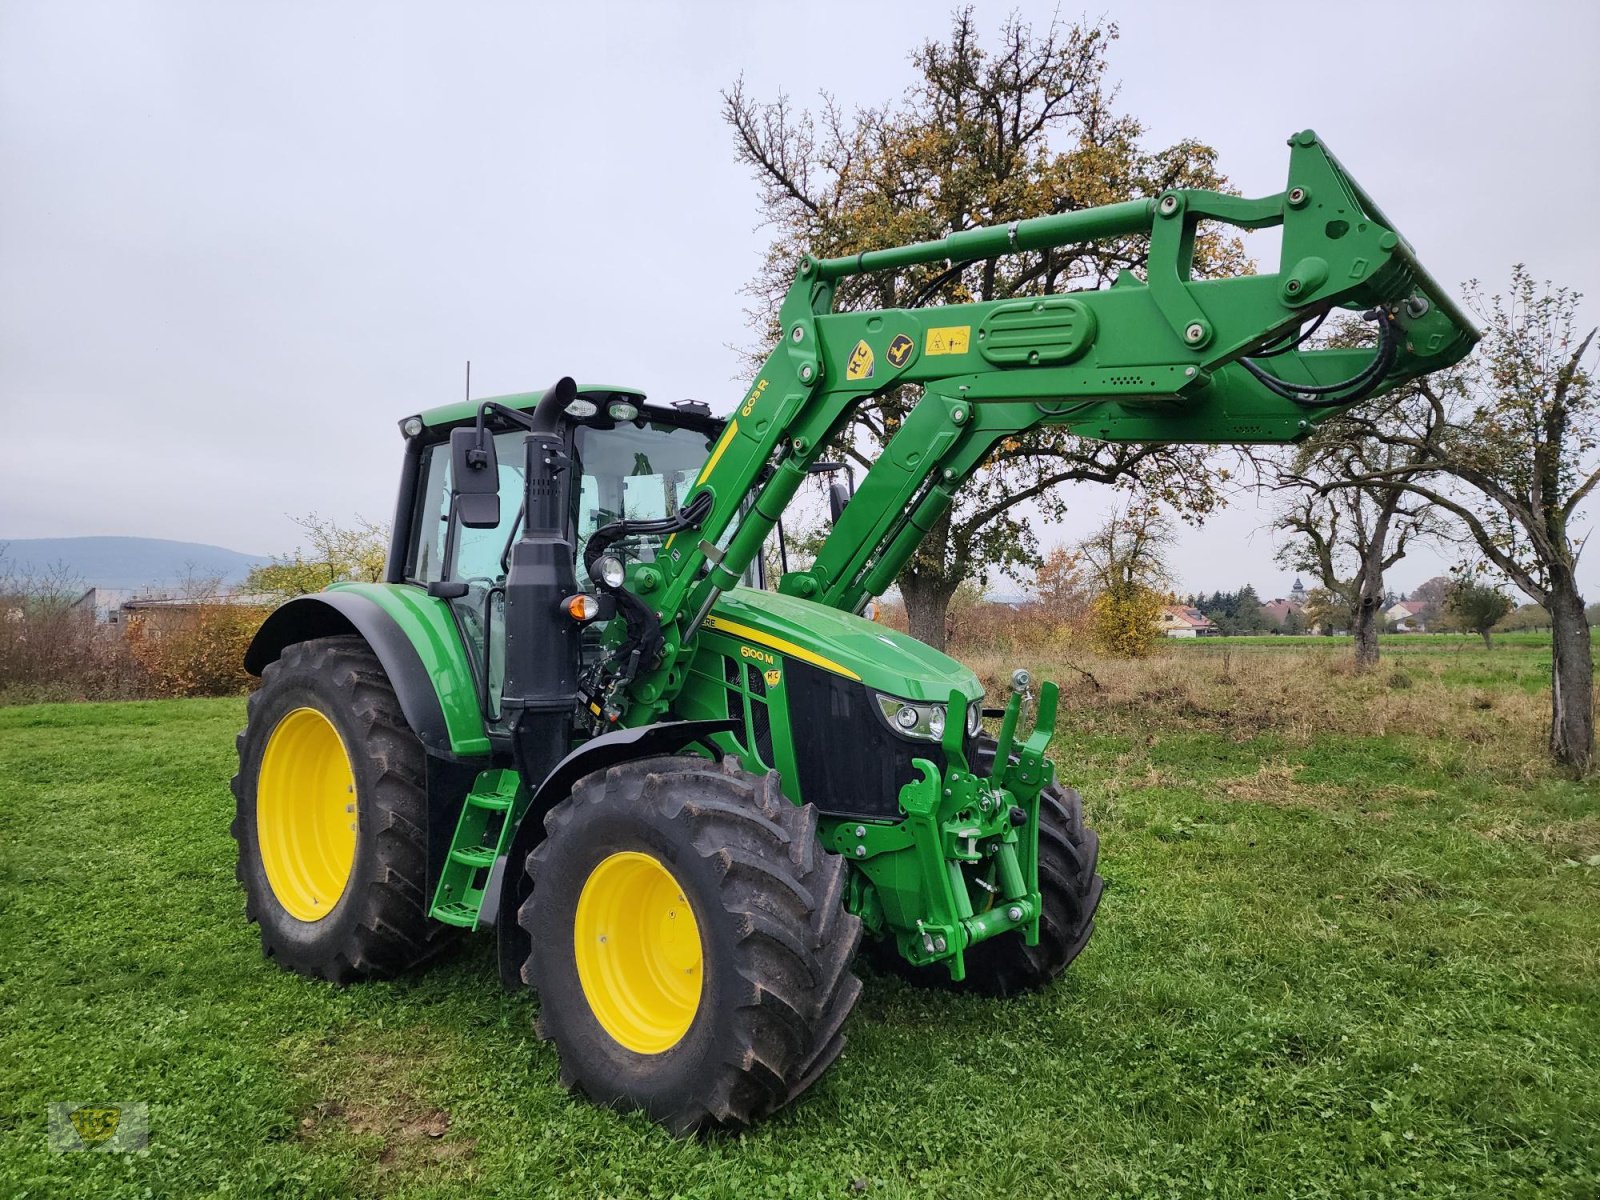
x,y
1167,358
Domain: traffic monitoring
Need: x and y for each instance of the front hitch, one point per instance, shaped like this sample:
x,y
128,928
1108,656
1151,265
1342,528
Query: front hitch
x,y
963,838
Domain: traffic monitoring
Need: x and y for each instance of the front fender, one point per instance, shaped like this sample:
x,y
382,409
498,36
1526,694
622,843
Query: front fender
x,y
505,896
414,638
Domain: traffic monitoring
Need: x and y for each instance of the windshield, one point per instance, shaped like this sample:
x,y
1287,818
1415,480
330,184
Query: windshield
x,y
638,472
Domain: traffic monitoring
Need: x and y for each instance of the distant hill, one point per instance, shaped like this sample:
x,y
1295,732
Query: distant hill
x,y
125,562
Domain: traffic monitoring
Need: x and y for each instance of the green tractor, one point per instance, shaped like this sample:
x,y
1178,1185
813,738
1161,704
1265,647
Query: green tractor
x,y
575,712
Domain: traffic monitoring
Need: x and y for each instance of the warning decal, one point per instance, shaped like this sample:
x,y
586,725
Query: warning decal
x,y
950,339
861,364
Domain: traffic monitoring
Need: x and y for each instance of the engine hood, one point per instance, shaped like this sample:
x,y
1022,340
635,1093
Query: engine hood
x,y
847,645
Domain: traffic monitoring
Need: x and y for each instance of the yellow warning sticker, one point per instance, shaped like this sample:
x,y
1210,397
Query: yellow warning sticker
x,y
861,364
948,339
899,350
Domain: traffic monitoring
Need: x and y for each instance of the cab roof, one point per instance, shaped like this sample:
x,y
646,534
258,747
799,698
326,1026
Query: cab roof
x,y
465,410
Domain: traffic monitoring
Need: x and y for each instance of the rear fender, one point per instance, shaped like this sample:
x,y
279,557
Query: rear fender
x,y
414,638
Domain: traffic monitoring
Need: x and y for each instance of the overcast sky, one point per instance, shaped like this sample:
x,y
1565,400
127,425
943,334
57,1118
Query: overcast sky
x,y
239,241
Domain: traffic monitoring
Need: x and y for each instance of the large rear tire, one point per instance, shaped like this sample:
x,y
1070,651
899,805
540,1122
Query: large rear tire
x,y
1069,892
331,814
690,945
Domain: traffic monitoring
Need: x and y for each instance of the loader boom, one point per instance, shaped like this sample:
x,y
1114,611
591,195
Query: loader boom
x,y
1166,358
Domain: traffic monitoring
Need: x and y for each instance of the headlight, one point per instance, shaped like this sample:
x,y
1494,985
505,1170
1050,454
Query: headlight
x,y
609,570
975,718
924,721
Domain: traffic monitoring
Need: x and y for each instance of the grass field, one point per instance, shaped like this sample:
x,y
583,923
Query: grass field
x,y
1350,946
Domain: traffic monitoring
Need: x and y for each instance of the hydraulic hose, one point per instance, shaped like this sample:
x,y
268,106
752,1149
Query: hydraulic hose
x,y
1357,387
643,641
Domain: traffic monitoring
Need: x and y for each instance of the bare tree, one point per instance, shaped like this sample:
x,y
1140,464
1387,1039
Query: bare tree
x,y
1508,443
1350,536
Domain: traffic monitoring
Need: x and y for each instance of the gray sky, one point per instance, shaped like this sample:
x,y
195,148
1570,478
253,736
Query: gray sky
x,y
239,241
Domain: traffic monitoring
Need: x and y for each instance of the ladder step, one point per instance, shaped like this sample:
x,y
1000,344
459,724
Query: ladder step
x,y
483,830
464,915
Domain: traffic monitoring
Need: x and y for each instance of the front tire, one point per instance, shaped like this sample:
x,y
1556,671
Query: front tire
x,y
331,813
690,945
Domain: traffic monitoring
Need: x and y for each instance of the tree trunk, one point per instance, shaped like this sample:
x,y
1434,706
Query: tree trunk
x,y
1364,632
927,608
1368,612
1572,678
1487,643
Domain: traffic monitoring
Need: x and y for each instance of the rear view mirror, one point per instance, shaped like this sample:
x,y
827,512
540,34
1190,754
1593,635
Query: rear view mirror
x,y
838,497
474,478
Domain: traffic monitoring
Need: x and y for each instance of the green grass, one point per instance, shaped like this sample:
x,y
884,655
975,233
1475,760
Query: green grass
x,y
1330,962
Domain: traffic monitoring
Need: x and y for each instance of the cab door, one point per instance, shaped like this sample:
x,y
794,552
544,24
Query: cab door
x,y
475,558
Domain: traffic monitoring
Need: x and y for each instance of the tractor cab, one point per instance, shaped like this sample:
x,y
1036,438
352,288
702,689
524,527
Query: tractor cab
x,y
633,460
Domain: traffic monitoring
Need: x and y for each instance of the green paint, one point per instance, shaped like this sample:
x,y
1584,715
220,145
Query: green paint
x,y
426,621
955,871
1144,360
489,817
882,658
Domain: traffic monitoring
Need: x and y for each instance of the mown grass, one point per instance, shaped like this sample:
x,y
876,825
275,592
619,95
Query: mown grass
x,y
1348,948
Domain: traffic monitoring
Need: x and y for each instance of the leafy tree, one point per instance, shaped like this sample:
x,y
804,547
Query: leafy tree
x,y
1236,612
1325,613
980,138
1524,617
336,553
1248,615
1125,620
1472,604
1127,556
1131,547
1064,590
1508,443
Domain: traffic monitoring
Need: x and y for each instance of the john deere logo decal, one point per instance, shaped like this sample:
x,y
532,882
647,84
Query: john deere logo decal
x,y
103,1128
899,351
861,364
95,1125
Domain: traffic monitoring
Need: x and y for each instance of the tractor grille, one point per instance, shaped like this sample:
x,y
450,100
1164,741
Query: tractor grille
x,y
848,761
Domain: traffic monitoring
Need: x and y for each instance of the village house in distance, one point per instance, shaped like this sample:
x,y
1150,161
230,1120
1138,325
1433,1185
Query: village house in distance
x,y
1189,621
1183,621
1407,616
1280,608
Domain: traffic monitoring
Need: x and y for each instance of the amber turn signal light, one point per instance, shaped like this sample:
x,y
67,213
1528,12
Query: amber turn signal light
x,y
581,608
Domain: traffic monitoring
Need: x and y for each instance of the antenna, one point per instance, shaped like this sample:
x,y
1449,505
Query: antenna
x,y
469,380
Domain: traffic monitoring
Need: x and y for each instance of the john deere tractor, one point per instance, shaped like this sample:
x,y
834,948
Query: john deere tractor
x,y
575,711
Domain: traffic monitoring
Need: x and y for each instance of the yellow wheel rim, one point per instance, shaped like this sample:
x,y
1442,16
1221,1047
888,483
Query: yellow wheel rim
x,y
638,950
306,814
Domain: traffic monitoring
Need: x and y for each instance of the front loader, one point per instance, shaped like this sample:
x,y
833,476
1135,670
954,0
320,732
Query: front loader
x,y
575,713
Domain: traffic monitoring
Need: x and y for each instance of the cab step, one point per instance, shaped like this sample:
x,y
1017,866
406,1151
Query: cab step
x,y
488,817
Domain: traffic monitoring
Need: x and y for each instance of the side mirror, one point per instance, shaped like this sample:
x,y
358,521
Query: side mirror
x,y
475,478
838,497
